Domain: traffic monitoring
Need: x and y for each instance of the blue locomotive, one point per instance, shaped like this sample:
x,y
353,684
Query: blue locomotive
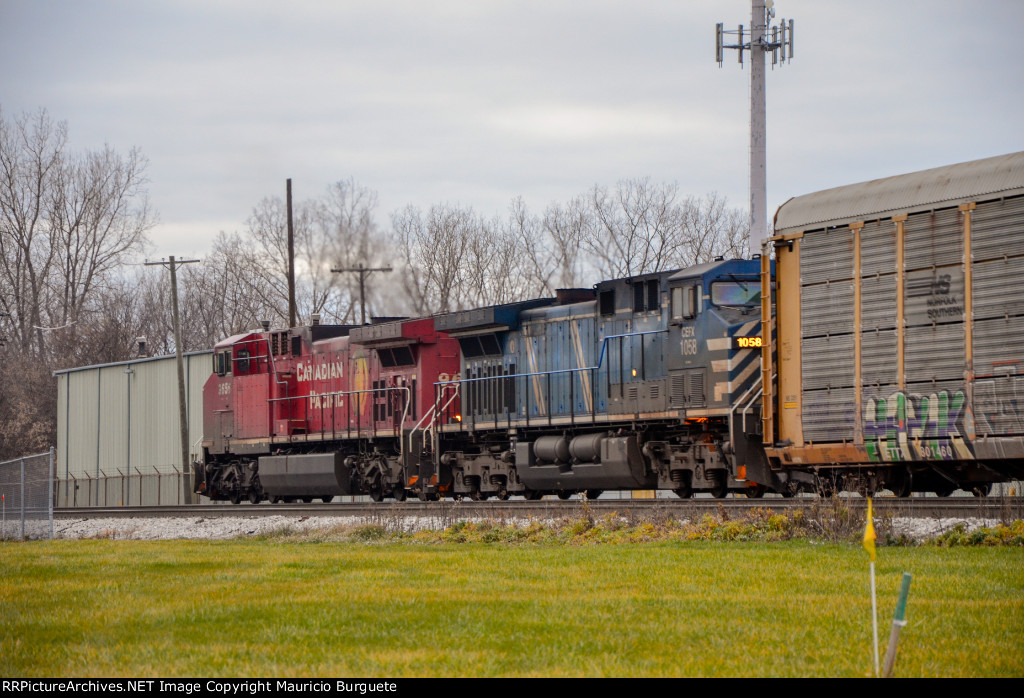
x,y
648,382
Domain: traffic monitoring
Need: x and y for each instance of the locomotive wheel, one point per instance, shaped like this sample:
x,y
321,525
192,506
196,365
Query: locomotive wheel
x,y
755,491
721,486
685,489
945,491
981,490
236,497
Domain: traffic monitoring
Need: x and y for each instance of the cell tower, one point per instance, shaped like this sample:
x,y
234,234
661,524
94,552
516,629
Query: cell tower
x,y
761,14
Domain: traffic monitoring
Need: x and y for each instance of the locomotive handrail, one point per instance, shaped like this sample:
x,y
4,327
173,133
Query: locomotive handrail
x,y
436,411
271,361
340,393
548,374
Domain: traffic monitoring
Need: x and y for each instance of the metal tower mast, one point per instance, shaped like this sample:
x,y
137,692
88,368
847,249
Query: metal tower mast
x,y
761,14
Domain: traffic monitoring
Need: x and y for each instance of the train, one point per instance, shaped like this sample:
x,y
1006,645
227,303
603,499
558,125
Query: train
x,y
875,344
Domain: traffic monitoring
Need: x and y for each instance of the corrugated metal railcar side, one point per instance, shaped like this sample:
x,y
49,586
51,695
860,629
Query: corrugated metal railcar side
x,y
899,336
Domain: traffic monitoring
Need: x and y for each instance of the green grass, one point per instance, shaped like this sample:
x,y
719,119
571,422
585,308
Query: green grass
x,y
412,608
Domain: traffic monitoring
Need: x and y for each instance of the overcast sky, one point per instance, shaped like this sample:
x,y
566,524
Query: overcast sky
x,y
476,102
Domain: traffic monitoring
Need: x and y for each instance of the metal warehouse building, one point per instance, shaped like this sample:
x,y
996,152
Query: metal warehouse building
x,y
118,439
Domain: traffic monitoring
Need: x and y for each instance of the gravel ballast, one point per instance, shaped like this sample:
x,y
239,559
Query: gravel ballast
x,y
226,527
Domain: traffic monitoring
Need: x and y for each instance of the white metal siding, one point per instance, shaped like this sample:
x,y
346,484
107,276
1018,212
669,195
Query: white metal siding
x,y
123,416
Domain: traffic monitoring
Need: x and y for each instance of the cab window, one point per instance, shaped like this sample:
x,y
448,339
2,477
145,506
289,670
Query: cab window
x,y
736,292
684,303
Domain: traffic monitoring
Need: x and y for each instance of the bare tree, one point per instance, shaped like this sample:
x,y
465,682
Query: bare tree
x,y
637,228
550,248
432,248
337,230
712,229
67,222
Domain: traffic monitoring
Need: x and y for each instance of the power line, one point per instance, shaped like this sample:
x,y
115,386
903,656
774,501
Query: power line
x,y
363,272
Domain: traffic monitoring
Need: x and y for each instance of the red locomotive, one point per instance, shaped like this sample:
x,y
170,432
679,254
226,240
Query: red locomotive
x,y
321,411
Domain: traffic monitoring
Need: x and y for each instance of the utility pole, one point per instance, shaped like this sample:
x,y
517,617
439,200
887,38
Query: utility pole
x,y
761,14
292,311
363,272
182,409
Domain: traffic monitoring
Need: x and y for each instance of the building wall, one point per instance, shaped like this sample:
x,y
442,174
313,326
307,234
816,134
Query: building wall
x,y
120,419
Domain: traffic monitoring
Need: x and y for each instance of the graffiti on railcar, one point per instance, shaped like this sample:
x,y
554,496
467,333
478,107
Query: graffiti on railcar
x,y
999,405
912,426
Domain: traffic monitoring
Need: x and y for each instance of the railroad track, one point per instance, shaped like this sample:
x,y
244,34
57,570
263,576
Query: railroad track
x,y
1000,508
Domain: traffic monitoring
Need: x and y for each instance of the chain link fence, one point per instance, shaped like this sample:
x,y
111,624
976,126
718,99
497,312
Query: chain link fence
x,y
144,487
26,496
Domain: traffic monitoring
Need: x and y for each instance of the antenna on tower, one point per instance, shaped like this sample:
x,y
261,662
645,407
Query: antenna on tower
x,y
764,38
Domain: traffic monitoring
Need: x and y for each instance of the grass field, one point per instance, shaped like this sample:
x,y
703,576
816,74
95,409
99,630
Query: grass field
x,y
281,608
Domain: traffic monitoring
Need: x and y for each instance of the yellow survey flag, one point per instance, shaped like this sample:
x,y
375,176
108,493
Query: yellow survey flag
x,y
869,534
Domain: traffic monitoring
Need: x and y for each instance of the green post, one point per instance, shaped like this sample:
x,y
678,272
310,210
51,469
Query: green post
x,y
898,621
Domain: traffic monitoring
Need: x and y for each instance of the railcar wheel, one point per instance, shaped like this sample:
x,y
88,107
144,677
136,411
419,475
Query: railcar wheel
x,y
944,491
683,492
399,494
503,495
564,494
307,500
327,500
376,493
981,490
594,494
273,498
532,495
902,484
254,496
755,491
720,488
236,497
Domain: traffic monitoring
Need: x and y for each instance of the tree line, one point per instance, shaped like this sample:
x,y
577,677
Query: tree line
x,y
74,228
